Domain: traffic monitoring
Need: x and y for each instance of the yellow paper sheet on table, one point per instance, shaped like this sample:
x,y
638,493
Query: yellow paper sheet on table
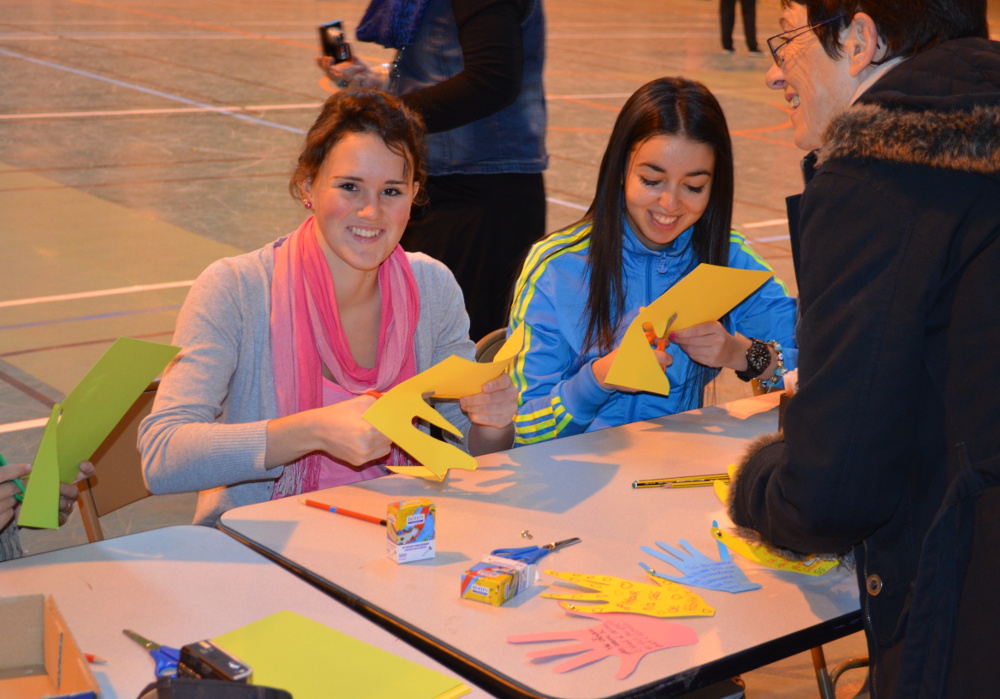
x,y
313,661
454,377
89,413
706,294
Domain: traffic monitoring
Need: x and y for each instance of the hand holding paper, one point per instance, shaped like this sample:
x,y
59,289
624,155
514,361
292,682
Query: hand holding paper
x,y
77,427
454,377
761,554
629,638
706,294
665,599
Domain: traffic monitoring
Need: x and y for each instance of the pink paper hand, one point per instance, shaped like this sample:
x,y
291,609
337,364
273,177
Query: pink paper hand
x,y
629,637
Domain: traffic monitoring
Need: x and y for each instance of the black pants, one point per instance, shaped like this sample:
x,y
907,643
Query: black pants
x,y
481,227
727,16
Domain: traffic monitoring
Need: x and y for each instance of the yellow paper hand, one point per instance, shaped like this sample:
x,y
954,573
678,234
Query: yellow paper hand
x,y
705,294
454,377
665,599
762,555
722,488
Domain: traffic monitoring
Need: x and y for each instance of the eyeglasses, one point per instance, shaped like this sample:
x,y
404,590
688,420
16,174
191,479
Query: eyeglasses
x,y
780,41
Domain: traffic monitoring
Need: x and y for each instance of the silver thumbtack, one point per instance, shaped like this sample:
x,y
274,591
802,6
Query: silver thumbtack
x,y
525,534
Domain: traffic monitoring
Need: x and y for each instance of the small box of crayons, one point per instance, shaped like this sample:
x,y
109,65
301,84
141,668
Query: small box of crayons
x,y
410,530
495,580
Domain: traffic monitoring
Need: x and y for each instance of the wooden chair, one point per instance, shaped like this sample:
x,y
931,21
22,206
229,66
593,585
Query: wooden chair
x,y
490,344
117,479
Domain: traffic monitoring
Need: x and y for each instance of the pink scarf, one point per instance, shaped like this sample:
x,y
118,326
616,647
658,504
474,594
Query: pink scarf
x,y
306,335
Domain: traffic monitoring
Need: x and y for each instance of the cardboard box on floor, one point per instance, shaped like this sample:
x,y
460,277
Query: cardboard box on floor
x,y
38,656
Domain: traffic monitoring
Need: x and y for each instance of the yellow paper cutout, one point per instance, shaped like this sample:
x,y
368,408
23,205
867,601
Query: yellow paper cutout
x,y
722,488
312,661
454,377
760,554
706,294
665,599
41,496
89,413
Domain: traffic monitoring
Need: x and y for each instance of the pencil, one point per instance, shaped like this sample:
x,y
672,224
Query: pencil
x,y
342,511
679,481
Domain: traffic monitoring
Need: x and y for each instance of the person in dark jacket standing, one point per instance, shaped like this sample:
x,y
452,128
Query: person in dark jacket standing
x,y
891,446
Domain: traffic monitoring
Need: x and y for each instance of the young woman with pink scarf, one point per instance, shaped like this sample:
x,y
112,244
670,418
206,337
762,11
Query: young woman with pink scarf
x,y
280,345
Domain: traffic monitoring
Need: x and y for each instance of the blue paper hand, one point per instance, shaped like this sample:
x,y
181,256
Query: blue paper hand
x,y
700,570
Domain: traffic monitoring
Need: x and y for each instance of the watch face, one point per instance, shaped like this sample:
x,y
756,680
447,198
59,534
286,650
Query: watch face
x,y
758,357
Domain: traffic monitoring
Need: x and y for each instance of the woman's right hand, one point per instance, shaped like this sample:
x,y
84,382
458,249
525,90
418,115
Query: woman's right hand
x,y
338,430
347,435
353,73
602,366
8,489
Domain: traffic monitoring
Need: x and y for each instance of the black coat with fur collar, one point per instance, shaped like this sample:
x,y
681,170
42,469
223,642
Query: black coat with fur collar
x,y
892,444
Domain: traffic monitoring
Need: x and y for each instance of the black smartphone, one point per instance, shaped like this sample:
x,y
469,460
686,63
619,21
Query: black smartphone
x,y
206,660
331,37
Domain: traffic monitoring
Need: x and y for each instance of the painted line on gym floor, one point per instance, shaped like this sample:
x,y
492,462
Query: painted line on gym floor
x,y
94,294
149,91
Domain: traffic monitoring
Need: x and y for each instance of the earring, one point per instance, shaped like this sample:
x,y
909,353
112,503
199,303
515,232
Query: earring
x,y
308,204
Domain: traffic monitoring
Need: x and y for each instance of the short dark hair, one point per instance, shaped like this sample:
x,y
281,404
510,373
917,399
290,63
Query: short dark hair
x,y
363,111
669,106
907,26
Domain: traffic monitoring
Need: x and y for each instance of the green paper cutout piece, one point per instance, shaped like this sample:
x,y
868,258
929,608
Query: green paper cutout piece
x,y
101,399
41,496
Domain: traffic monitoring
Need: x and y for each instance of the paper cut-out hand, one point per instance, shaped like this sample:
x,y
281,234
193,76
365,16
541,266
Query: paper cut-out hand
x,y
722,488
814,565
630,638
700,570
665,599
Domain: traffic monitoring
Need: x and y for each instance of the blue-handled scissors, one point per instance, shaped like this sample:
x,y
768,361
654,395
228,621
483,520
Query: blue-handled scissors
x,y
166,658
533,554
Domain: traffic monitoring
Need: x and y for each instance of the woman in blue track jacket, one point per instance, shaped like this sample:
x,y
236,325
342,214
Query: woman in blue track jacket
x,y
663,205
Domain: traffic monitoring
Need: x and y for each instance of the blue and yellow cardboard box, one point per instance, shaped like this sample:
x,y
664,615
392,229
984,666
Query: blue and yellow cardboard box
x,y
410,530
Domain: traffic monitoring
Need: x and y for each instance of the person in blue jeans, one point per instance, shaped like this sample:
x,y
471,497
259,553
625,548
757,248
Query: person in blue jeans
x,y
663,205
473,70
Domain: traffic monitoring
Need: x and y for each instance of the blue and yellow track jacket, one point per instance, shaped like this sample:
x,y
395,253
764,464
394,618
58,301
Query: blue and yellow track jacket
x,y
557,392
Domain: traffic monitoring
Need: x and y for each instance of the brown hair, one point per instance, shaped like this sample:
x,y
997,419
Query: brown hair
x,y
363,111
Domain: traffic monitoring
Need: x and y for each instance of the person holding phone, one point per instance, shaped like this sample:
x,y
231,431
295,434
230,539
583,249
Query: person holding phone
x,y
473,70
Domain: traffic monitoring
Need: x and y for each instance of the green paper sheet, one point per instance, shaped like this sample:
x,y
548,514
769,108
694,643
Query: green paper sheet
x,y
101,399
41,496
89,413
313,661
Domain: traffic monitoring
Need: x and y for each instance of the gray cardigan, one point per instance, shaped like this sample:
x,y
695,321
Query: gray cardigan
x,y
208,427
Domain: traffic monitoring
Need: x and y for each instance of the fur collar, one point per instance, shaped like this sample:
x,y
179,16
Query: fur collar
x,y
964,141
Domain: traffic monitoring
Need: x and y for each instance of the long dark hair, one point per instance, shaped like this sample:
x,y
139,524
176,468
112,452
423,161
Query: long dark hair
x,y
666,106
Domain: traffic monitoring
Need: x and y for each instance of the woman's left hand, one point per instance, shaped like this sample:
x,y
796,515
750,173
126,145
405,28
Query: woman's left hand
x,y
711,345
495,406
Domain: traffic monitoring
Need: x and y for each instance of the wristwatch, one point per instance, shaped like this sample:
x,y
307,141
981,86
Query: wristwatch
x,y
758,358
